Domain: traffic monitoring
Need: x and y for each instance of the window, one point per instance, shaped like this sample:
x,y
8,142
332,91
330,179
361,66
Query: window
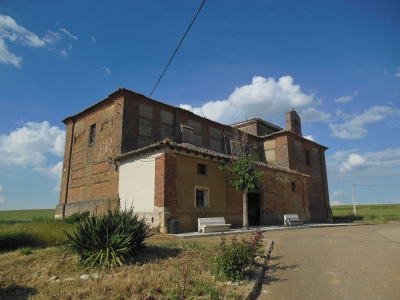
x,y
92,136
293,186
201,169
201,196
308,158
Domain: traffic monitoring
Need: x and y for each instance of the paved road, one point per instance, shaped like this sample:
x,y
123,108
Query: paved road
x,y
356,262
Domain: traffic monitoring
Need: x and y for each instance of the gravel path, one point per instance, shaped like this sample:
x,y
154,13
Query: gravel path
x,y
357,262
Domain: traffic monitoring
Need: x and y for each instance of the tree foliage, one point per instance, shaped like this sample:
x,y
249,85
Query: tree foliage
x,y
245,177
242,168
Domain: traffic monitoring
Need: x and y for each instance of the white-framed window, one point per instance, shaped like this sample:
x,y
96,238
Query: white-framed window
x,y
201,196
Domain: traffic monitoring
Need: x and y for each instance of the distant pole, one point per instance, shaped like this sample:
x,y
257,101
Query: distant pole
x,y
354,201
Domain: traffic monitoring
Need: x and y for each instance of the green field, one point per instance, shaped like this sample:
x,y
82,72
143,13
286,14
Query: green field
x,y
27,215
376,213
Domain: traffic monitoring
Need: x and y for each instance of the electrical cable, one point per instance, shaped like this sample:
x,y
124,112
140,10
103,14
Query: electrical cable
x,y
176,50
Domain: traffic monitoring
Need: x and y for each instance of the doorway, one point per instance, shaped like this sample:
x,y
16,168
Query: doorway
x,y
253,209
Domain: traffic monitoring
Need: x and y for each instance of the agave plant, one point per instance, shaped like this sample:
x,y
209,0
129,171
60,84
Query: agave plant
x,y
108,240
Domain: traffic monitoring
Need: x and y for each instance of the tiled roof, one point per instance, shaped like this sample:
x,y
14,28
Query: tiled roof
x,y
283,132
122,89
199,150
238,124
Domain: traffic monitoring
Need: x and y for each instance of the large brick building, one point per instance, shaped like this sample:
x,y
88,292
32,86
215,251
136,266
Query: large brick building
x,y
128,150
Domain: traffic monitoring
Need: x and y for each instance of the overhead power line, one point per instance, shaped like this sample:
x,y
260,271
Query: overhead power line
x,y
176,50
376,184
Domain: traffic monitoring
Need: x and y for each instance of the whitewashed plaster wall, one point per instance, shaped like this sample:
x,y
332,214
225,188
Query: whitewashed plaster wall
x,y
136,181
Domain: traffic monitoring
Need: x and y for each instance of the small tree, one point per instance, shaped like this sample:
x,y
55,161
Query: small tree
x,y
242,168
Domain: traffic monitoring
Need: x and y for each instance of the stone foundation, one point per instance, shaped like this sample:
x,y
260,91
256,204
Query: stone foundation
x,y
97,207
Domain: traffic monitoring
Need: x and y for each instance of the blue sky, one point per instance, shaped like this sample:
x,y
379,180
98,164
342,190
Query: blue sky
x,y
336,62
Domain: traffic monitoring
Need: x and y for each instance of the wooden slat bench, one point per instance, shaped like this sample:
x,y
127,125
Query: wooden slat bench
x,y
292,219
212,224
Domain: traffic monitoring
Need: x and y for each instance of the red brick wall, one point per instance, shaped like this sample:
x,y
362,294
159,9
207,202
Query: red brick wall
x,y
318,184
159,182
282,151
88,176
165,182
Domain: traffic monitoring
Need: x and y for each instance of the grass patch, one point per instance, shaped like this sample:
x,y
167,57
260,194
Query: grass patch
x,y
33,234
27,215
374,213
170,268
25,250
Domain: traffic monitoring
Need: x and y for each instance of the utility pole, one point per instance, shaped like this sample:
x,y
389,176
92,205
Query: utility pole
x,y
354,201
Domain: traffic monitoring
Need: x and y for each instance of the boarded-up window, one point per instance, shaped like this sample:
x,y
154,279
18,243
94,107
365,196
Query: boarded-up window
x,y
105,129
166,131
79,140
145,111
145,127
187,134
167,117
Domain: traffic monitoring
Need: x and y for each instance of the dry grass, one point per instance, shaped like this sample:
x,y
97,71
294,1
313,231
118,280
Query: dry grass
x,y
169,269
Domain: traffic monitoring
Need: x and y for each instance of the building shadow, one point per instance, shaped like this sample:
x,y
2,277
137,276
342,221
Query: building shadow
x,y
157,253
274,266
347,219
16,292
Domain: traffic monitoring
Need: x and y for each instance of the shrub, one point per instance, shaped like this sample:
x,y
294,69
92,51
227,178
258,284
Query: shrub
x,y
76,217
235,258
108,240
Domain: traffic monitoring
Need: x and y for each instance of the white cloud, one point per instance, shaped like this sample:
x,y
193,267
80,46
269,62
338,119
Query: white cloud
x,y
398,73
335,202
354,162
107,70
69,34
263,98
346,165
93,39
355,128
64,53
309,137
8,57
51,171
197,111
339,193
29,145
346,98
2,197
52,37
14,33
312,115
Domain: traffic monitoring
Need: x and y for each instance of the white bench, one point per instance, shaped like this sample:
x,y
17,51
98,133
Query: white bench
x,y
212,224
292,219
